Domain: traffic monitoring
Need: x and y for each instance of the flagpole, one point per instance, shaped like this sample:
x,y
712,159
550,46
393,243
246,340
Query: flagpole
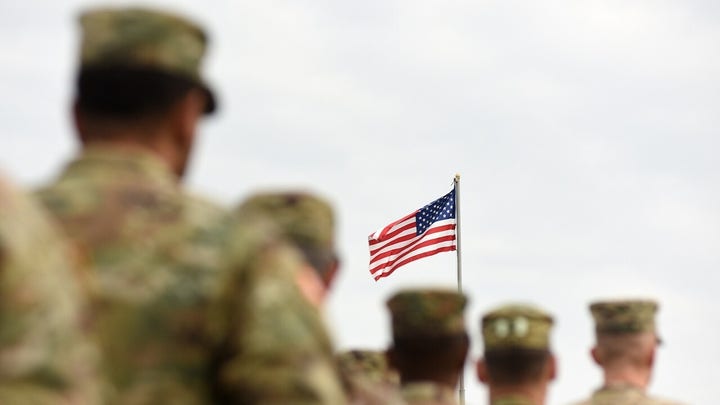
x,y
459,269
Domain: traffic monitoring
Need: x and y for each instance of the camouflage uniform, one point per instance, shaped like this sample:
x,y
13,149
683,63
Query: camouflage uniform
x,y
516,327
617,318
623,395
368,378
288,353
44,356
511,400
427,313
155,255
178,286
428,393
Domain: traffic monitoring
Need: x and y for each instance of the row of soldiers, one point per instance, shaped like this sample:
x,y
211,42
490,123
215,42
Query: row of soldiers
x,y
117,286
430,345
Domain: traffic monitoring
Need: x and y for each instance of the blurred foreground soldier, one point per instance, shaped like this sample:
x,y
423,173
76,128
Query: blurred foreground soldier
x,y
517,364
284,353
430,344
626,339
152,250
44,356
159,259
308,222
368,377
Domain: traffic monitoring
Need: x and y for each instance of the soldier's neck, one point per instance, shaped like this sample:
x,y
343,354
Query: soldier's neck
x,y
535,392
624,375
157,145
448,380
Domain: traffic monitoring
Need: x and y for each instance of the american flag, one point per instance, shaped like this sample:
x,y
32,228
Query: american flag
x,y
422,233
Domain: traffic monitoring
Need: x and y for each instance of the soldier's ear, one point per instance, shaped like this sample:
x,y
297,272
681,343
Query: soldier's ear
x,y
185,115
651,358
329,276
481,370
552,368
79,122
595,354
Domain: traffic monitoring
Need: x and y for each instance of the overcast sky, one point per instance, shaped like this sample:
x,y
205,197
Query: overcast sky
x,y
586,134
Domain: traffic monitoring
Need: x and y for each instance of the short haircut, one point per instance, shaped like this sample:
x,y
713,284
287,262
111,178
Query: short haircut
x,y
320,259
128,93
630,348
515,366
443,353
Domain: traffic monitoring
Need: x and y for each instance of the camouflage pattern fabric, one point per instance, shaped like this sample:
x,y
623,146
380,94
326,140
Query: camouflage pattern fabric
x,y
511,400
155,255
368,379
627,316
305,219
370,363
181,289
427,312
516,326
623,395
428,393
277,349
146,39
45,358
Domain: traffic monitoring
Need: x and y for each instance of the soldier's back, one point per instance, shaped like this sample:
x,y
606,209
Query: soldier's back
x,y
45,357
152,255
428,393
623,395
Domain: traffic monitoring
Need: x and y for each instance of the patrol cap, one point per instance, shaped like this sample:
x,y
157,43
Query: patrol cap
x,y
516,326
305,219
624,316
146,39
427,313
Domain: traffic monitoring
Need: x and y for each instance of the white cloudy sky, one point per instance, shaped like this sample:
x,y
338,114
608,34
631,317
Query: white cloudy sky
x,y
585,133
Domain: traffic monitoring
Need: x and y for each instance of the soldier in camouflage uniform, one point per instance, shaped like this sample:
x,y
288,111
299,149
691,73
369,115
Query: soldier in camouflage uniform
x,y
626,340
293,335
171,274
517,363
430,344
368,378
45,358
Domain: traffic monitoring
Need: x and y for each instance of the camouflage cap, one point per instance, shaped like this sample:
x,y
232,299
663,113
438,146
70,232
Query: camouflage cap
x,y
427,313
516,327
305,219
624,316
144,38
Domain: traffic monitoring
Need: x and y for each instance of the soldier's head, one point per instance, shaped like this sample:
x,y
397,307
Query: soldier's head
x,y
626,335
516,349
430,342
139,83
304,219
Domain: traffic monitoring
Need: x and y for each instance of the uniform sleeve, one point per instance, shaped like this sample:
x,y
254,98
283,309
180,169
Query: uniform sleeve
x,y
45,356
274,347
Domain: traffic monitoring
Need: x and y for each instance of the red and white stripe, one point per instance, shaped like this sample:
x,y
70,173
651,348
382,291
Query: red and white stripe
x,y
397,244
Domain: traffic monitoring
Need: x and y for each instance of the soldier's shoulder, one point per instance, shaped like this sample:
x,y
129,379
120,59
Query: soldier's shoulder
x,y
427,393
661,401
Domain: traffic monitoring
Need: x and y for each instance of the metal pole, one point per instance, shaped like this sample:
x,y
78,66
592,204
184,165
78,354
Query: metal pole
x,y
459,270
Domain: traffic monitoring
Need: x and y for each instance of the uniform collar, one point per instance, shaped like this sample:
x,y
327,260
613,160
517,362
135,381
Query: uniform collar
x,y
511,400
105,162
427,390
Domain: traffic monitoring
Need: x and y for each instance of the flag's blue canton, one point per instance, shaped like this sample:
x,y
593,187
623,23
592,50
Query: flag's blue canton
x,y
442,208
